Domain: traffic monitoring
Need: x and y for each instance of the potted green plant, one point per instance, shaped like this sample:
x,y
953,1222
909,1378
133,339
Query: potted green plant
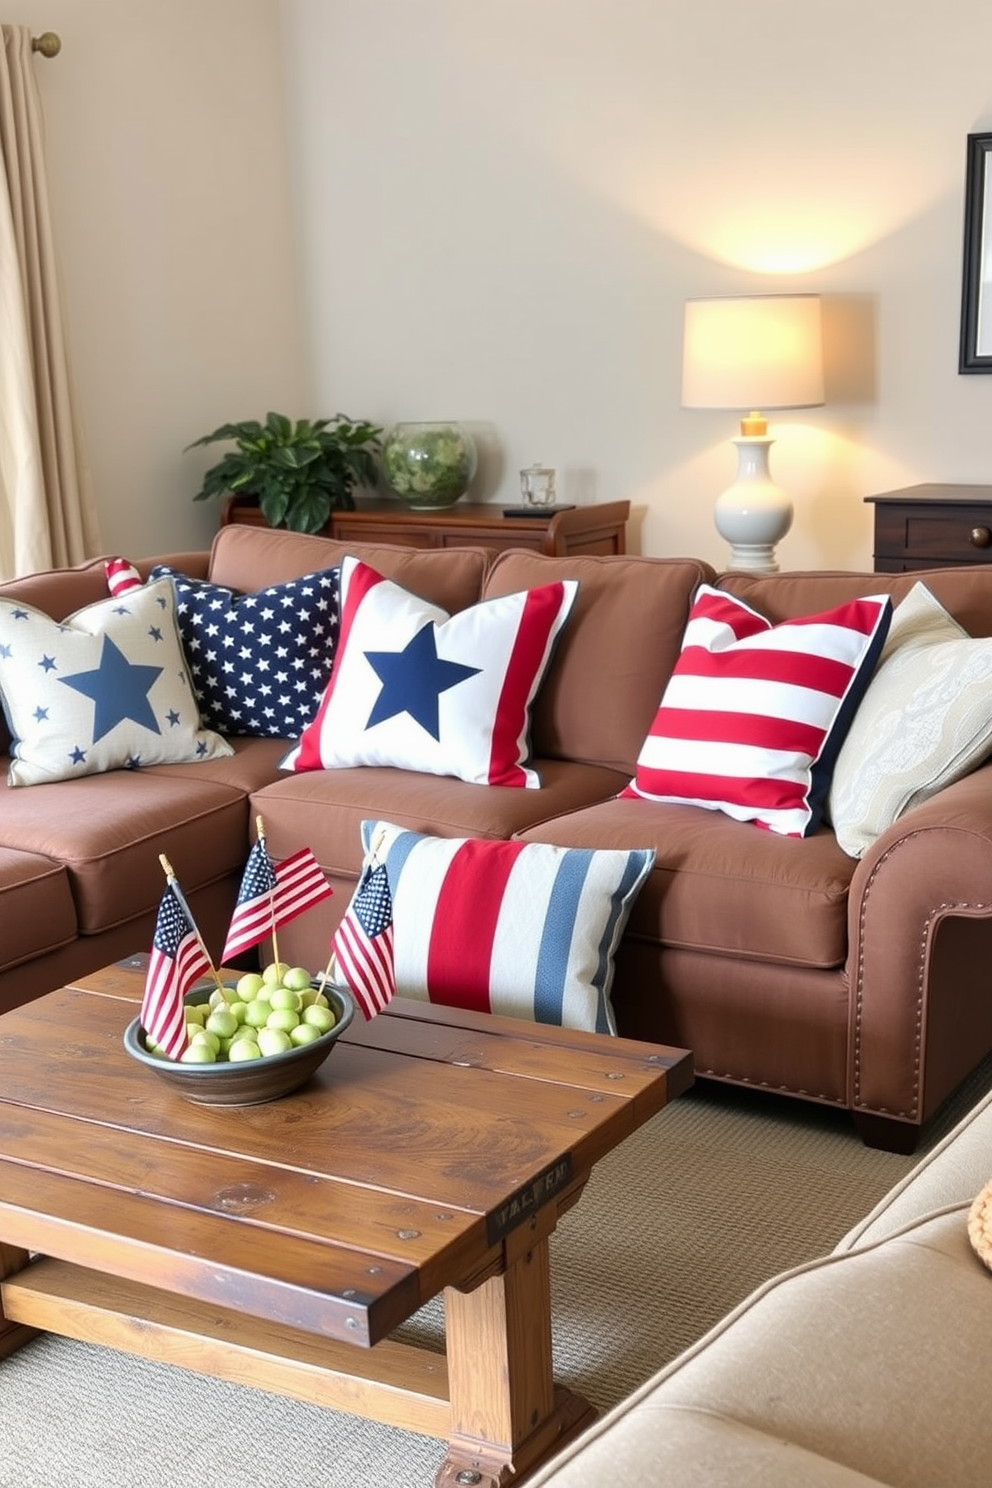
x,y
297,472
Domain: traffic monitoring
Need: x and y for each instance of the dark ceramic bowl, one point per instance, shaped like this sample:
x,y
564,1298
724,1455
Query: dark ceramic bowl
x,y
250,1082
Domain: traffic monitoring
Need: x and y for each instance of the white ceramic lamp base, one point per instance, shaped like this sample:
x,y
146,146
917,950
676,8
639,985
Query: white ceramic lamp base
x,y
754,513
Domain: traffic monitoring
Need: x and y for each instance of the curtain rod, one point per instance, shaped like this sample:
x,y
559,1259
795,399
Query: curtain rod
x,y
48,44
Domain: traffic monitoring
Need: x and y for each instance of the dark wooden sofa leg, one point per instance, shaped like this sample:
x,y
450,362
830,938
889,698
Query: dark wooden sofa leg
x,y
885,1133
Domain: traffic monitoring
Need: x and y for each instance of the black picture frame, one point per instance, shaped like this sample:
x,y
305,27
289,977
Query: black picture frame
x,y
976,289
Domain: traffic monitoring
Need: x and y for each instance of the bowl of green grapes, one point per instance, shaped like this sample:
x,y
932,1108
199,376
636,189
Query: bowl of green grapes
x,y
252,1040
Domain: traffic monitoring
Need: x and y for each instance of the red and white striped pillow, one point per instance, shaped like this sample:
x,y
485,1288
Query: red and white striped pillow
x,y
754,714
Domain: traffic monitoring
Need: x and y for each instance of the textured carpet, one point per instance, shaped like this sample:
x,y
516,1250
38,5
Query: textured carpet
x,y
710,1198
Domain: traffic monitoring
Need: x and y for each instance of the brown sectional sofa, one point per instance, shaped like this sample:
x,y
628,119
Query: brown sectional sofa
x,y
781,963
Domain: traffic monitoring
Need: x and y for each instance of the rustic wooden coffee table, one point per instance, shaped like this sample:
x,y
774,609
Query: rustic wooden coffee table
x,y
281,1245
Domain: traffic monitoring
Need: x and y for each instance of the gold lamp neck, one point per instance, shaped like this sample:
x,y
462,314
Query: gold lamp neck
x,y
754,424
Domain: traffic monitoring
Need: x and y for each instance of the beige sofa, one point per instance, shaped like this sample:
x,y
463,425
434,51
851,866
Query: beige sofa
x,y
868,1367
781,963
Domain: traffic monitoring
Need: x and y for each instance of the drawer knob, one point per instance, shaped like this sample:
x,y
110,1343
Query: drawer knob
x,y
981,537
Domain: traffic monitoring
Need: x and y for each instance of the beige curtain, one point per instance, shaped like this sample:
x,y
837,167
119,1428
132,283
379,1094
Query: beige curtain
x,y
47,514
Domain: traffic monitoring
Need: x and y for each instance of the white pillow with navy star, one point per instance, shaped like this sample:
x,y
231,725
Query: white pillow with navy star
x,y
259,662
105,689
419,689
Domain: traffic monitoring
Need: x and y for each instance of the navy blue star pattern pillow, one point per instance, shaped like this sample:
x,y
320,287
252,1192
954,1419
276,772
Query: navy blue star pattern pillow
x,y
259,662
107,688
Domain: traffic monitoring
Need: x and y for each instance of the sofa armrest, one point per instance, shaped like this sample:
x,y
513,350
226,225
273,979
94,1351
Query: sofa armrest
x,y
194,565
920,933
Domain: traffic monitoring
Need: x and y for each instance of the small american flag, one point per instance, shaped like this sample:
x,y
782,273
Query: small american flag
x,y
363,942
177,959
270,897
252,918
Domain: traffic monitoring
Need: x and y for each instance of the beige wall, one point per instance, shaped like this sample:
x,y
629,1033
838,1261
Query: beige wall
x,y
167,151
504,206
494,211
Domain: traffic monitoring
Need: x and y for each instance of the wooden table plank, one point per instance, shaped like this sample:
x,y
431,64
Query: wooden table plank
x,y
474,1148
246,1192
395,1383
317,1287
458,1036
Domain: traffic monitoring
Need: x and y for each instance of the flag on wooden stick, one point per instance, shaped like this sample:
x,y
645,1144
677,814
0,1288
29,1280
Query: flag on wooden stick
x,y
362,947
272,896
178,958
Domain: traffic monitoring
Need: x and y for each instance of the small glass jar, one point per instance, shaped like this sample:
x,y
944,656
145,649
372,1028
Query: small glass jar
x,y
537,486
430,464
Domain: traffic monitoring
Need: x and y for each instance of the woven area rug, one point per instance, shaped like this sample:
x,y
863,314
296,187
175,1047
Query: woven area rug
x,y
714,1195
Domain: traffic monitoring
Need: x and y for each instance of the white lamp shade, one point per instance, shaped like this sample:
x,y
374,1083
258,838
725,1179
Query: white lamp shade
x,y
753,351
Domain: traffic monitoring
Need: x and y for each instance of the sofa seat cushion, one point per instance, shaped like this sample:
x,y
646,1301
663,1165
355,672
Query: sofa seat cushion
x,y
325,809
720,886
613,657
108,831
37,914
254,763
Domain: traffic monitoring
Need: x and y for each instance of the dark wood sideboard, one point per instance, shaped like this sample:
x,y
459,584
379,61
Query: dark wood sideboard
x,y
599,528
932,526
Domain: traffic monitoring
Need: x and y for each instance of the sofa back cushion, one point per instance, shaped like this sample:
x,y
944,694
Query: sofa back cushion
x,y
965,592
613,657
249,558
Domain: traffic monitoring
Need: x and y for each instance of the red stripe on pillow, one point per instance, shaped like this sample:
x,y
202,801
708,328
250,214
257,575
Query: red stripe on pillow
x,y
467,912
855,614
755,729
805,669
539,615
769,793
716,608
361,581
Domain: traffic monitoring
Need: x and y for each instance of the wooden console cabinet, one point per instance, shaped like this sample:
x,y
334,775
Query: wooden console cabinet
x,y
579,529
932,526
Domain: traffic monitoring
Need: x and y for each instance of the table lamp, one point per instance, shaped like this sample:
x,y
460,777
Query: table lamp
x,y
753,352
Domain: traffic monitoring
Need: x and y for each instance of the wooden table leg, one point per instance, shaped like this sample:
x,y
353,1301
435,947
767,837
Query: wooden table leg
x,y
507,1417
12,1335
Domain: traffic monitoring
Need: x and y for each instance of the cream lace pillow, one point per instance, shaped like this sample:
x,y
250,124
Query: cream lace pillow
x,y
925,721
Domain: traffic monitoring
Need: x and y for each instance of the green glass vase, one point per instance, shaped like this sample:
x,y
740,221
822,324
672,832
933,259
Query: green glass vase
x,y
429,465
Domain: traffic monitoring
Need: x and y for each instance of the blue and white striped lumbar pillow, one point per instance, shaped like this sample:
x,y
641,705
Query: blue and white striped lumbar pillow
x,y
527,930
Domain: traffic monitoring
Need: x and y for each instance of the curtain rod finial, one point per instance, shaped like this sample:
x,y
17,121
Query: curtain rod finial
x,y
48,44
